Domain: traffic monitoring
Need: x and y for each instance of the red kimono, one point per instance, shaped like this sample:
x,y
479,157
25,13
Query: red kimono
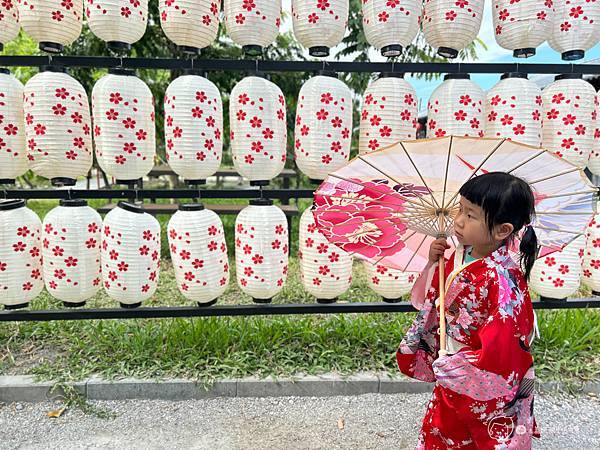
x,y
483,397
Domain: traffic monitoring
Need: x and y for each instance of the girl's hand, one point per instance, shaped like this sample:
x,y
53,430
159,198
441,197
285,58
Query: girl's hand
x,y
437,249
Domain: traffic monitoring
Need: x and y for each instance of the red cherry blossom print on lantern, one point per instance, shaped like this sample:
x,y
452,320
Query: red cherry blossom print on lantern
x,y
591,258
193,127
253,24
51,23
513,110
451,25
9,21
569,118
594,162
20,254
389,114
319,24
261,250
130,254
257,121
455,108
391,284
57,127
391,25
123,110
119,23
199,253
521,26
557,275
325,269
575,27
190,24
71,240
323,126
13,156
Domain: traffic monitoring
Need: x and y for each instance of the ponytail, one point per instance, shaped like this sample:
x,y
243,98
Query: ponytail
x,y
528,249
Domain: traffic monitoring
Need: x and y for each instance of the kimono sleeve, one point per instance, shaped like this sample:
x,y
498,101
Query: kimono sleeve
x,y
496,368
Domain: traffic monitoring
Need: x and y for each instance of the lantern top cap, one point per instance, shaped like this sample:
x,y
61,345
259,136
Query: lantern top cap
x,y
513,75
11,204
4,70
73,202
327,73
569,76
198,72
122,71
191,207
261,202
391,75
457,76
131,207
53,68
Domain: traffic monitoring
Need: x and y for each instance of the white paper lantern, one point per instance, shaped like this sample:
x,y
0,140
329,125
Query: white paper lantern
x,y
325,269
57,127
253,24
193,127
130,254
323,126
20,254
557,275
389,113
521,26
575,27
13,156
199,253
51,23
320,25
9,22
391,284
591,258
192,25
568,119
119,23
391,25
451,25
261,250
72,234
123,110
513,110
257,119
456,108
594,162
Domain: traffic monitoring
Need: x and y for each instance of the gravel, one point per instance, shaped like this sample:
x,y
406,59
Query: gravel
x,y
372,421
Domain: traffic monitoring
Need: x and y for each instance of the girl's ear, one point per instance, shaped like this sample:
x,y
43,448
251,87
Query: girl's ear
x,y
502,231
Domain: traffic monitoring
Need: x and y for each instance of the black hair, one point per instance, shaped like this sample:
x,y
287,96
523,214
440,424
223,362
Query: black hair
x,y
505,198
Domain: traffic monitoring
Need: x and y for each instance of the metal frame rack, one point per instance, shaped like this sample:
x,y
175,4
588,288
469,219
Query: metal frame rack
x,y
280,194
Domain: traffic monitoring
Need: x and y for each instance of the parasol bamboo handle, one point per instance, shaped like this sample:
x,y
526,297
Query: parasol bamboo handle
x,y
442,289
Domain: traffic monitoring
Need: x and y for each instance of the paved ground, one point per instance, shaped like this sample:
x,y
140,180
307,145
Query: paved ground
x,y
372,421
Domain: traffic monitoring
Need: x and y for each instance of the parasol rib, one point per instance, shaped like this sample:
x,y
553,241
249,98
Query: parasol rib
x,y
420,175
446,173
531,158
560,174
414,254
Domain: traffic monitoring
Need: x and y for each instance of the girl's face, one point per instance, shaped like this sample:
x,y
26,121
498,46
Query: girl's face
x,y
470,226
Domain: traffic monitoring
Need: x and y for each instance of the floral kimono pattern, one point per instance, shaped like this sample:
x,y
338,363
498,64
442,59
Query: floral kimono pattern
x,y
483,397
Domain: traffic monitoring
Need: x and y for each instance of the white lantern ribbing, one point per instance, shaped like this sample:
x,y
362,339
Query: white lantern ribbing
x,y
391,25
557,276
513,110
456,108
575,27
130,254
319,25
391,284
51,23
323,126
57,127
199,253
568,119
9,22
389,113
119,23
20,254
261,250
192,25
72,237
123,110
591,258
451,25
521,26
13,157
253,24
325,269
193,127
257,120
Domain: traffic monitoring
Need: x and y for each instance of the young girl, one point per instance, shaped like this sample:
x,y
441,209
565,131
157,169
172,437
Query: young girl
x,y
483,396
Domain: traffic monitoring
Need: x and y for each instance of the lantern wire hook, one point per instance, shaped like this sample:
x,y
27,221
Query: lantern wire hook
x,y
256,66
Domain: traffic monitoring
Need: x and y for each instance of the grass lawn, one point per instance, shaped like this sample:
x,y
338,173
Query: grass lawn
x,y
212,348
